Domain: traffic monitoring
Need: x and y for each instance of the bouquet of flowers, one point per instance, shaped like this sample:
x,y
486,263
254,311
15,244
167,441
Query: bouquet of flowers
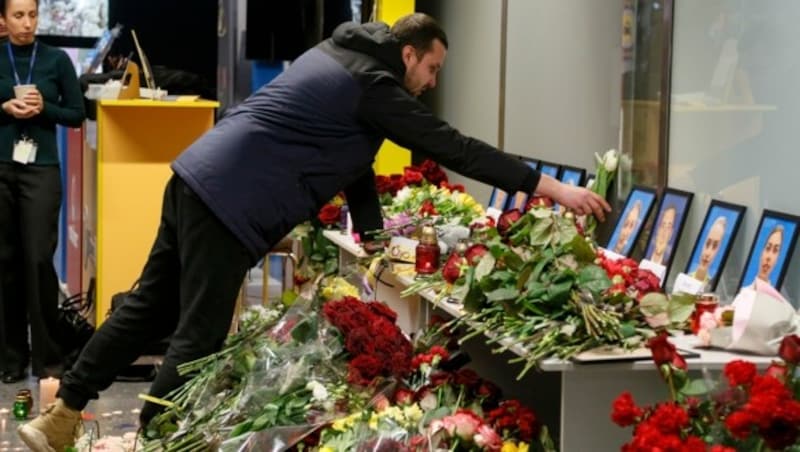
x,y
282,376
536,282
437,407
748,411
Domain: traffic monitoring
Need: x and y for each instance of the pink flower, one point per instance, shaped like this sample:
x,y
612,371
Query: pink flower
x,y
705,337
488,438
463,424
707,321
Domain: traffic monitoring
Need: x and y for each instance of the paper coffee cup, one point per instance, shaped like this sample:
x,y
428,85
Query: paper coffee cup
x,y
21,90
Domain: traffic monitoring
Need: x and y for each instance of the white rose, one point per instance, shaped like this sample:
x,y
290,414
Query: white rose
x,y
403,194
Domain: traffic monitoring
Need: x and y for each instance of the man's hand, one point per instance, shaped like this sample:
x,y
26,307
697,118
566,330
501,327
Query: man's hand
x,y
578,199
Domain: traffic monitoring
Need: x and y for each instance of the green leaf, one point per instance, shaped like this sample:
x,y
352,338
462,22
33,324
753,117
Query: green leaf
x,y
582,250
503,293
242,428
524,274
653,304
680,308
473,301
459,292
540,213
627,330
484,267
432,415
695,388
288,297
539,268
513,261
593,279
331,266
541,232
305,330
559,292
536,290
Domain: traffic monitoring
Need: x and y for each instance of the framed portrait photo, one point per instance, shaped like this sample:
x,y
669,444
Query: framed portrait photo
x,y
666,232
572,175
629,226
771,250
713,245
520,198
551,169
498,199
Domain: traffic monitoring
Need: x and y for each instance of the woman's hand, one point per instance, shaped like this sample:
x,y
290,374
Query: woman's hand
x,y
33,99
19,109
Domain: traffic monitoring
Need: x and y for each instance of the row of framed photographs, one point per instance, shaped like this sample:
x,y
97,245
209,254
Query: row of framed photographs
x,y
767,261
502,201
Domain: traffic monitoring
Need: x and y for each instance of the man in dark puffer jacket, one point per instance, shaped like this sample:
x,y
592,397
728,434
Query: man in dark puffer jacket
x,y
270,164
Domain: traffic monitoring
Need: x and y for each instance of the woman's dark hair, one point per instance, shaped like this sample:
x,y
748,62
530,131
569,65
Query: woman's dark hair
x,y
418,30
4,4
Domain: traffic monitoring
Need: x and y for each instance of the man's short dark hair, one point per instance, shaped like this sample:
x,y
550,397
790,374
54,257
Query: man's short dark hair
x,y
418,30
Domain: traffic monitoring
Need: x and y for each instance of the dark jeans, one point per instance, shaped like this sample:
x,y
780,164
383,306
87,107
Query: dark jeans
x,y
188,287
30,198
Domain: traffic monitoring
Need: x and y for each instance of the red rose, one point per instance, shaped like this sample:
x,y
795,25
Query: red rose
x,y
404,396
663,351
427,208
329,214
467,378
363,369
538,201
740,372
452,187
452,268
624,410
790,349
398,182
474,253
412,176
432,172
506,220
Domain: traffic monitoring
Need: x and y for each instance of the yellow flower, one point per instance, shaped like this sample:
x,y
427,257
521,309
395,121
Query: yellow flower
x,y
412,413
511,446
337,201
345,423
338,288
373,421
326,449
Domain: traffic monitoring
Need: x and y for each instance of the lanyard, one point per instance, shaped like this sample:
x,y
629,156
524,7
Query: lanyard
x,y
14,64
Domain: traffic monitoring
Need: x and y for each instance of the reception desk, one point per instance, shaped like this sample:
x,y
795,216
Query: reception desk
x,y
135,142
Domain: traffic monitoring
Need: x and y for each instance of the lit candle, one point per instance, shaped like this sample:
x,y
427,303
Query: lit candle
x,y
47,391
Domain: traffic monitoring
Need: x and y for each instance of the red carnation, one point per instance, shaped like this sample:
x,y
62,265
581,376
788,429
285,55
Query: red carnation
x,y
363,369
383,184
330,214
412,176
740,372
790,349
382,310
427,208
625,412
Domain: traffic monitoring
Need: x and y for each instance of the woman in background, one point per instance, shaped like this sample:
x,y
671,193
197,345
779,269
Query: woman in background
x,y
30,189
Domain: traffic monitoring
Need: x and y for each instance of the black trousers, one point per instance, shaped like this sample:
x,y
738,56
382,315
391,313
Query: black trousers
x,y
30,198
188,287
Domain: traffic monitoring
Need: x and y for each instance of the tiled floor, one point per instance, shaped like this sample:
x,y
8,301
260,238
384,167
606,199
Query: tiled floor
x,y
116,411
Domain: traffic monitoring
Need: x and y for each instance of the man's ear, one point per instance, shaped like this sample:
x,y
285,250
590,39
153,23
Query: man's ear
x,y
407,53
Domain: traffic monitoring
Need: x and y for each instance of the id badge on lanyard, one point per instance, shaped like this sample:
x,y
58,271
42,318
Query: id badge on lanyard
x,y
24,148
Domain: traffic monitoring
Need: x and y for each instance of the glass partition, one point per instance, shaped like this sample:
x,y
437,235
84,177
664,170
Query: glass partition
x,y
735,104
